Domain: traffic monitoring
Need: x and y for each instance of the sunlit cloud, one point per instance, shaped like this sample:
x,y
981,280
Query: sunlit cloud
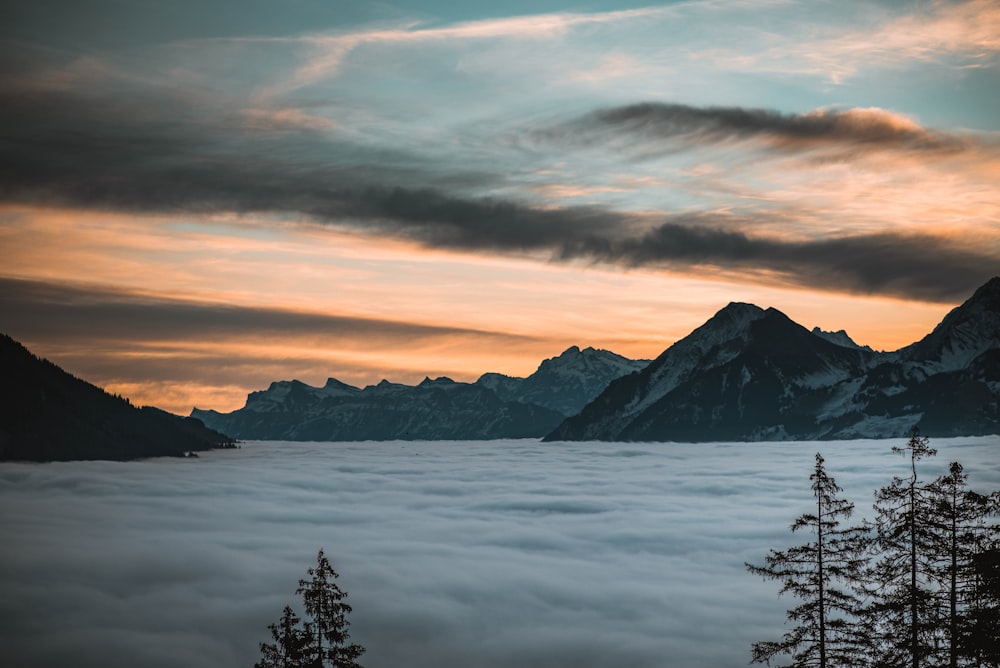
x,y
288,119
606,178
963,34
327,52
855,130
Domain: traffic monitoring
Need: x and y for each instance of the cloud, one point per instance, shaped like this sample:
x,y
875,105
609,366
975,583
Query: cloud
x,y
856,129
965,30
163,151
955,34
323,54
40,309
176,353
884,263
564,554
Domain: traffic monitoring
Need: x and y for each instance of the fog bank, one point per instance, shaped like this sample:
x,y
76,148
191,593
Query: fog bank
x,y
496,554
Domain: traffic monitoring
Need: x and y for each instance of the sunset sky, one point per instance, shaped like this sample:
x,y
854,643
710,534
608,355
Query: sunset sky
x,y
198,197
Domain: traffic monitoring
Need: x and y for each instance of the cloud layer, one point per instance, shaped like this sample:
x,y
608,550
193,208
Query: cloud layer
x,y
498,554
147,156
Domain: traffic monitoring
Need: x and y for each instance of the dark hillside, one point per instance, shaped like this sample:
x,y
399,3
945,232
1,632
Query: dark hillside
x,y
47,414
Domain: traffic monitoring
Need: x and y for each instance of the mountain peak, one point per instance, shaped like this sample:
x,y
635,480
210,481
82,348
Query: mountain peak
x,y
333,383
988,294
966,332
731,322
840,337
436,382
737,314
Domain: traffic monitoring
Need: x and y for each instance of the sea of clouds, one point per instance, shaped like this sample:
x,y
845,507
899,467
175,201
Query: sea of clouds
x,y
454,554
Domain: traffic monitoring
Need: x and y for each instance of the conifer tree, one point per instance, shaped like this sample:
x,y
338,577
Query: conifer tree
x,y
824,574
324,602
321,642
981,632
290,648
903,614
959,518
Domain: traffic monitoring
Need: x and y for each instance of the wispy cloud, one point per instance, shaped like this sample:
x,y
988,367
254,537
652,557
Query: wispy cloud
x,y
963,34
324,54
859,129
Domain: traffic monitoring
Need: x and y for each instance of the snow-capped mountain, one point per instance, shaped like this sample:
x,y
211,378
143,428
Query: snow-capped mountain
x,y
746,374
753,374
495,406
839,337
438,409
565,383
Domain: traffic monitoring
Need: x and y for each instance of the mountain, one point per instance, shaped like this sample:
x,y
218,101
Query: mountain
x,y
752,374
839,337
565,383
438,409
495,406
47,414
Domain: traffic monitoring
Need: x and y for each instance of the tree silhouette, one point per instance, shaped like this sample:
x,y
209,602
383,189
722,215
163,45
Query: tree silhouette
x,y
824,574
927,570
903,613
321,641
324,602
959,521
981,643
290,648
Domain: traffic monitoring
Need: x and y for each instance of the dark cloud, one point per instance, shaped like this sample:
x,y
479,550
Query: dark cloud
x,y
161,150
908,265
497,554
852,129
38,311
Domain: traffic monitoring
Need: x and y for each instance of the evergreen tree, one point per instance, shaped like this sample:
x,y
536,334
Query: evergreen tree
x,y
290,648
824,574
318,643
324,602
981,638
960,520
903,615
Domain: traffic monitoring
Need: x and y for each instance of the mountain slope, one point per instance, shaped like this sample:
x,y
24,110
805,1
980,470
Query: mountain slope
x,y
750,374
741,375
48,415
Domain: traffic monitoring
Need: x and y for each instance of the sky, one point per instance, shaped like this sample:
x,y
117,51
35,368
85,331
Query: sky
x,y
198,198
489,554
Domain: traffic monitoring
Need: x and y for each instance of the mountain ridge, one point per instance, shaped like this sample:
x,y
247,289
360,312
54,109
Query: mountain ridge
x,y
47,414
748,373
762,376
494,406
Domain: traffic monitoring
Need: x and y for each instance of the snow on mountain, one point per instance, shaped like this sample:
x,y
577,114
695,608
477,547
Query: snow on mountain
x,y
839,337
495,406
714,343
966,332
746,374
751,374
570,381
283,392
